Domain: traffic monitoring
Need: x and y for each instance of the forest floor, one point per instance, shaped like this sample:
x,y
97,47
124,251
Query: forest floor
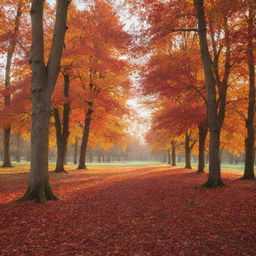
x,y
129,211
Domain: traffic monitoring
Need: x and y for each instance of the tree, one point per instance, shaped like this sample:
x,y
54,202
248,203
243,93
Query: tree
x,y
103,74
173,153
62,124
182,86
250,139
43,82
12,42
189,144
213,24
215,120
202,132
86,131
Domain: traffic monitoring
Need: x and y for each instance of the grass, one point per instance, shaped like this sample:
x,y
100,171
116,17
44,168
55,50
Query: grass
x,y
127,163
230,167
23,166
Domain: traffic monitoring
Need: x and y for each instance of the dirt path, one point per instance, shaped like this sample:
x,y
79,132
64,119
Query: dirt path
x,y
130,211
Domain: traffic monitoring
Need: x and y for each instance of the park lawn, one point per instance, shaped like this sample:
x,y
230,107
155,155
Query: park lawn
x,y
224,166
129,210
24,166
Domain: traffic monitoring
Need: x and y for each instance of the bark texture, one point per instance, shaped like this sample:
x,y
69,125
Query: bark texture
x,y
86,132
7,136
43,82
62,128
201,154
173,153
75,151
187,153
214,179
250,138
188,147
17,155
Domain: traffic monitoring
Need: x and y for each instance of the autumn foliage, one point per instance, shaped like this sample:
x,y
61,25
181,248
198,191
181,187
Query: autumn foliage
x,y
172,81
199,68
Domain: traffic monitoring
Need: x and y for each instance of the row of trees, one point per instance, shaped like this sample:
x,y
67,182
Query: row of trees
x,y
200,71
134,151
200,59
20,151
80,82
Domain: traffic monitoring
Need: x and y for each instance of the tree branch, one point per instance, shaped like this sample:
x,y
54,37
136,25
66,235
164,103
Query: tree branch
x,y
60,28
185,30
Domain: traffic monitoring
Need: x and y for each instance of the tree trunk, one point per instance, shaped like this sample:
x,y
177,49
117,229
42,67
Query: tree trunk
x,y
7,102
173,153
44,78
83,148
7,98
39,187
17,155
169,156
187,152
39,183
7,135
60,153
62,130
61,142
201,157
75,151
250,139
214,179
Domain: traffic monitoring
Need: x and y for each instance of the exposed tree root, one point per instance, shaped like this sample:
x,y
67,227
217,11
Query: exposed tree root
x,y
82,167
61,170
213,184
39,193
248,177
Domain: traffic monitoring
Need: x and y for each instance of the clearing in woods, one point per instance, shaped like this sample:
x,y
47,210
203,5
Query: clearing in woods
x,y
152,210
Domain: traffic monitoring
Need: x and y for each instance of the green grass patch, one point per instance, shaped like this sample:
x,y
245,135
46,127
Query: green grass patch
x,y
24,166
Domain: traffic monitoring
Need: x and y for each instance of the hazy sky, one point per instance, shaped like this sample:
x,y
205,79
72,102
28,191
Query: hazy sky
x,y
139,127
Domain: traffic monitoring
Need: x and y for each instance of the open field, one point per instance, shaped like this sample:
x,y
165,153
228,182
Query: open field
x,y
152,210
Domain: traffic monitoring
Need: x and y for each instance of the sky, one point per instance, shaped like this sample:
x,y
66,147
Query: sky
x,y
139,127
